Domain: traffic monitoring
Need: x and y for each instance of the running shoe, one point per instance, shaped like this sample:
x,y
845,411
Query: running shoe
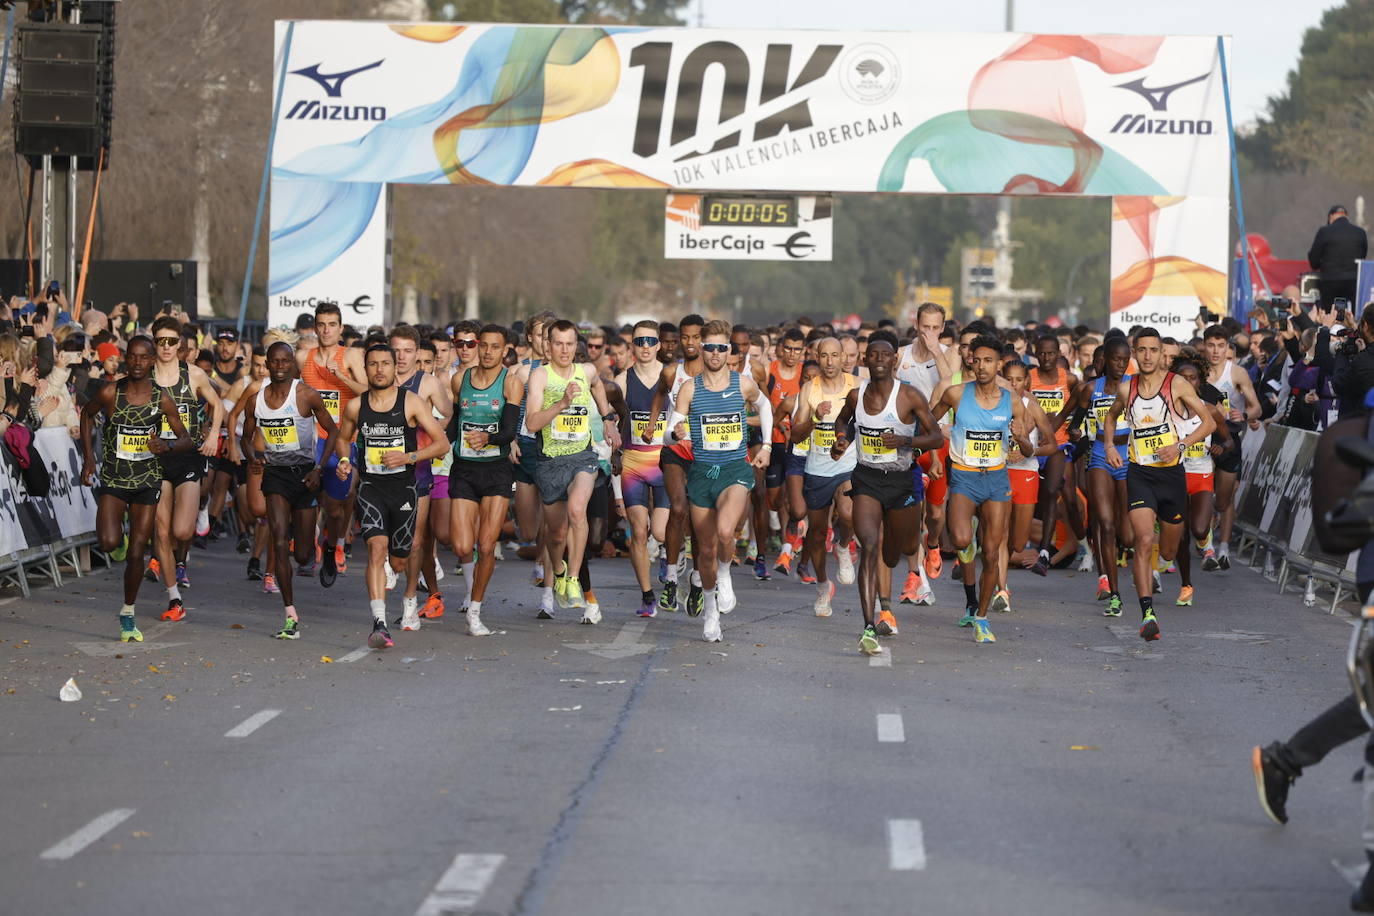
x,y
254,570
825,591
1001,601
1209,560
966,555
761,569
245,543
410,615
573,592
804,573
1123,557
121,552
911,588
868,642
153,571
934,562
1272,781
1185,596
981,631
537,575
591,614
341,557
1113,608
200,541
725,593
1104,588
696,601
203,522
175,610
784,565
970,615
887,624
1157,586
662,569
1041,566
391,577
560,589
290,629
1149,627
329,570
183,580
269,585
439,570
381,636
647,608
667,599
844,566
475,625
128,632
926,596
1223,561
710,629
306,570
433,607
1085,558
546,604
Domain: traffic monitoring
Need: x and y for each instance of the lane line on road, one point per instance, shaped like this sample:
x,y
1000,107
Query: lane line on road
x,y
251,724
355,654
881,661
906,845
462,886
87,835
890,728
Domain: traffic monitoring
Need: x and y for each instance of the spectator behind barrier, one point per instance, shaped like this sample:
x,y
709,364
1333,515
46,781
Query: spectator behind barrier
x,y
1353,372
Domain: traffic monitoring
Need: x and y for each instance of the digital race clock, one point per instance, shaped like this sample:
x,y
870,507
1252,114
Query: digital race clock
x,y
749,211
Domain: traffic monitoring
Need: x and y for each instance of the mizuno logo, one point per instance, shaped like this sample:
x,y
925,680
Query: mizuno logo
x,y
332,83
1158,96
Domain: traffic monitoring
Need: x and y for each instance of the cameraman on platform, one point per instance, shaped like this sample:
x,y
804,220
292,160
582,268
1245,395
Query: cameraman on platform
x,y
1335,249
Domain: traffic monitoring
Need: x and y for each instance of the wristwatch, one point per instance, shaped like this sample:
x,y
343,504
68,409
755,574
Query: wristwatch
x,y
413,457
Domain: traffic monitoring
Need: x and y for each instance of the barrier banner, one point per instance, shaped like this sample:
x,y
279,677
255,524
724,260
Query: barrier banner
x,y
1279,484
69,509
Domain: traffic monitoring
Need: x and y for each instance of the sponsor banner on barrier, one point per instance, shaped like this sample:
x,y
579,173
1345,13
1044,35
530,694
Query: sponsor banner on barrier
x,y
67,511
731,227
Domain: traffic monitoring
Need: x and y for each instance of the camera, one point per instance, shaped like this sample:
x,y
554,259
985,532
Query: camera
x,y
1342,307
53,288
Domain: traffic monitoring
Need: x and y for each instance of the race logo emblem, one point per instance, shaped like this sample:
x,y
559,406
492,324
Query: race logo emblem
x,y
870,74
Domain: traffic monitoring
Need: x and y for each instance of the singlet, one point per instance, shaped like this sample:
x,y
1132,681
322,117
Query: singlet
x,y
717,421
779,388
422,439
229,378
328,381
187,405
1196,457
869,427
1099,405
683,447
1227,387
980,437
923,376
380,432
126,463
570,431
1052,397
1029,462
818,460
288,434
479,410
1154,424
639,400
523,431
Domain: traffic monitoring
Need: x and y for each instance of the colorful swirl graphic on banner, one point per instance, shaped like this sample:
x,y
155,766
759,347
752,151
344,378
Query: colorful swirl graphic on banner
x,y
1151,275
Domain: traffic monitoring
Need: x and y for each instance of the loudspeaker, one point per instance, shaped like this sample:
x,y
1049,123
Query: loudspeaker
x,y
64,102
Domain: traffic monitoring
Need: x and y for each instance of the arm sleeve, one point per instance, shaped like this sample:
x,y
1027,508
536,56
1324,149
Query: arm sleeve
x,y
510,420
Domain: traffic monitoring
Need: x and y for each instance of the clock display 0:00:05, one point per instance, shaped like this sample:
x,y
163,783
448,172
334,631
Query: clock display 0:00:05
x,y
749,211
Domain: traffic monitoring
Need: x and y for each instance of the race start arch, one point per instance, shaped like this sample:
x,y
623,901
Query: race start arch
x,y
1138,119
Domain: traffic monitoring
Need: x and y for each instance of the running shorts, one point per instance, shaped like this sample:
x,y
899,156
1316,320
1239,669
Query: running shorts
x,y
555,475
641,477
1025,487
529,459
891,489
1200,483
1098,459
599,503
183,467
706,482
1229,461
796,465
476,480
981,486
1162,490
819,491
438,489
777,465
669,458
146,496
937,489
330,483
288,482
388,510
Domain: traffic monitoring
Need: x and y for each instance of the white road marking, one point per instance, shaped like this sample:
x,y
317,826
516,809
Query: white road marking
x,y
565,708
111,648
355,655
612,682
625,644
890,728
882,660
251,724
1353,872
462,886
906,845
88,834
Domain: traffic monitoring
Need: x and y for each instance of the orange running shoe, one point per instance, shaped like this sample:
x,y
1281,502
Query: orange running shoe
x,y
887,624
934,563
154,571
911,588
175,610
340,558
434,608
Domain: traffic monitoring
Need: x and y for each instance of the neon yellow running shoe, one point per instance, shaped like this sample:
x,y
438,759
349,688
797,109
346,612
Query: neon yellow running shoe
x,y
560,587
128,632
572,593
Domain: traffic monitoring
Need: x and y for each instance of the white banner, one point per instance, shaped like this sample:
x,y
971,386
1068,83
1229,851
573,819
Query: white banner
x,y
73,506
731,227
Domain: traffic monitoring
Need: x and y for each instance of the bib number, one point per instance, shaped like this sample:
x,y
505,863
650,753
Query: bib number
x,y
479,454
132,443
983,448
721,432
639,424
185,413
1148,440
1196,451
376,448
823,436
572,425
331,404
872,448
1051,401
280,434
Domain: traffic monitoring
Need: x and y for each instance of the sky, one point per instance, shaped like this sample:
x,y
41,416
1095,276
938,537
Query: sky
x,y
1266,34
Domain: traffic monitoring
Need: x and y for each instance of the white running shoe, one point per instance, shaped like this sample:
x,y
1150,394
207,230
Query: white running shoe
x,y
390,577
725,593
499,552
591,614
654,546
538,575
925,597
475,625
845,564
710,630
546,604
438,571
825,591
1085,558
410,614
203,522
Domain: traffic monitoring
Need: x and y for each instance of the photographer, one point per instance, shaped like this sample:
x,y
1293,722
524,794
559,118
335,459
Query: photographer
x,y
1353,362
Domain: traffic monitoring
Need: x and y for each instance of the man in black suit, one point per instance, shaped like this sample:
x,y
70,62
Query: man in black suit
x,y
1336,248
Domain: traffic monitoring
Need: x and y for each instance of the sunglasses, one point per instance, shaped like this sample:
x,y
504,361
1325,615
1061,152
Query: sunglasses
x,y
168,341
592,346
646,341
716,348
465,344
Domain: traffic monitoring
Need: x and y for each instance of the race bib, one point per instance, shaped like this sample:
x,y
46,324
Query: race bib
x,y
280,434
823,436
721,432
132,443
572,425
376,448
331,403
639,424
1051,400
1148,440
486,451
185,411
1098,417
872,448
1196,451
983,448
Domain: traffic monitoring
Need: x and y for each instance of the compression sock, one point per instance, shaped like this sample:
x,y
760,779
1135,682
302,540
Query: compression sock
x,y
1147,606
173,593
971,595
647,597
884,604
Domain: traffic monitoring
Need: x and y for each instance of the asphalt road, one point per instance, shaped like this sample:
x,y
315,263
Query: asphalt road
x,y
631,768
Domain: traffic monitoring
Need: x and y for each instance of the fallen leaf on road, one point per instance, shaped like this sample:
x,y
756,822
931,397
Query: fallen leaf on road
x,y
169,696
1084,747
119,655
326,659
153,668
236,626
140,833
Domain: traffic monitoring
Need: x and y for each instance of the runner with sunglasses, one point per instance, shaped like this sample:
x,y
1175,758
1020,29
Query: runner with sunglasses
x,y
641,477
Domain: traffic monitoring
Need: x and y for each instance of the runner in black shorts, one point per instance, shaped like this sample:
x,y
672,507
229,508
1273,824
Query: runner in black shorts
x,y
384,419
